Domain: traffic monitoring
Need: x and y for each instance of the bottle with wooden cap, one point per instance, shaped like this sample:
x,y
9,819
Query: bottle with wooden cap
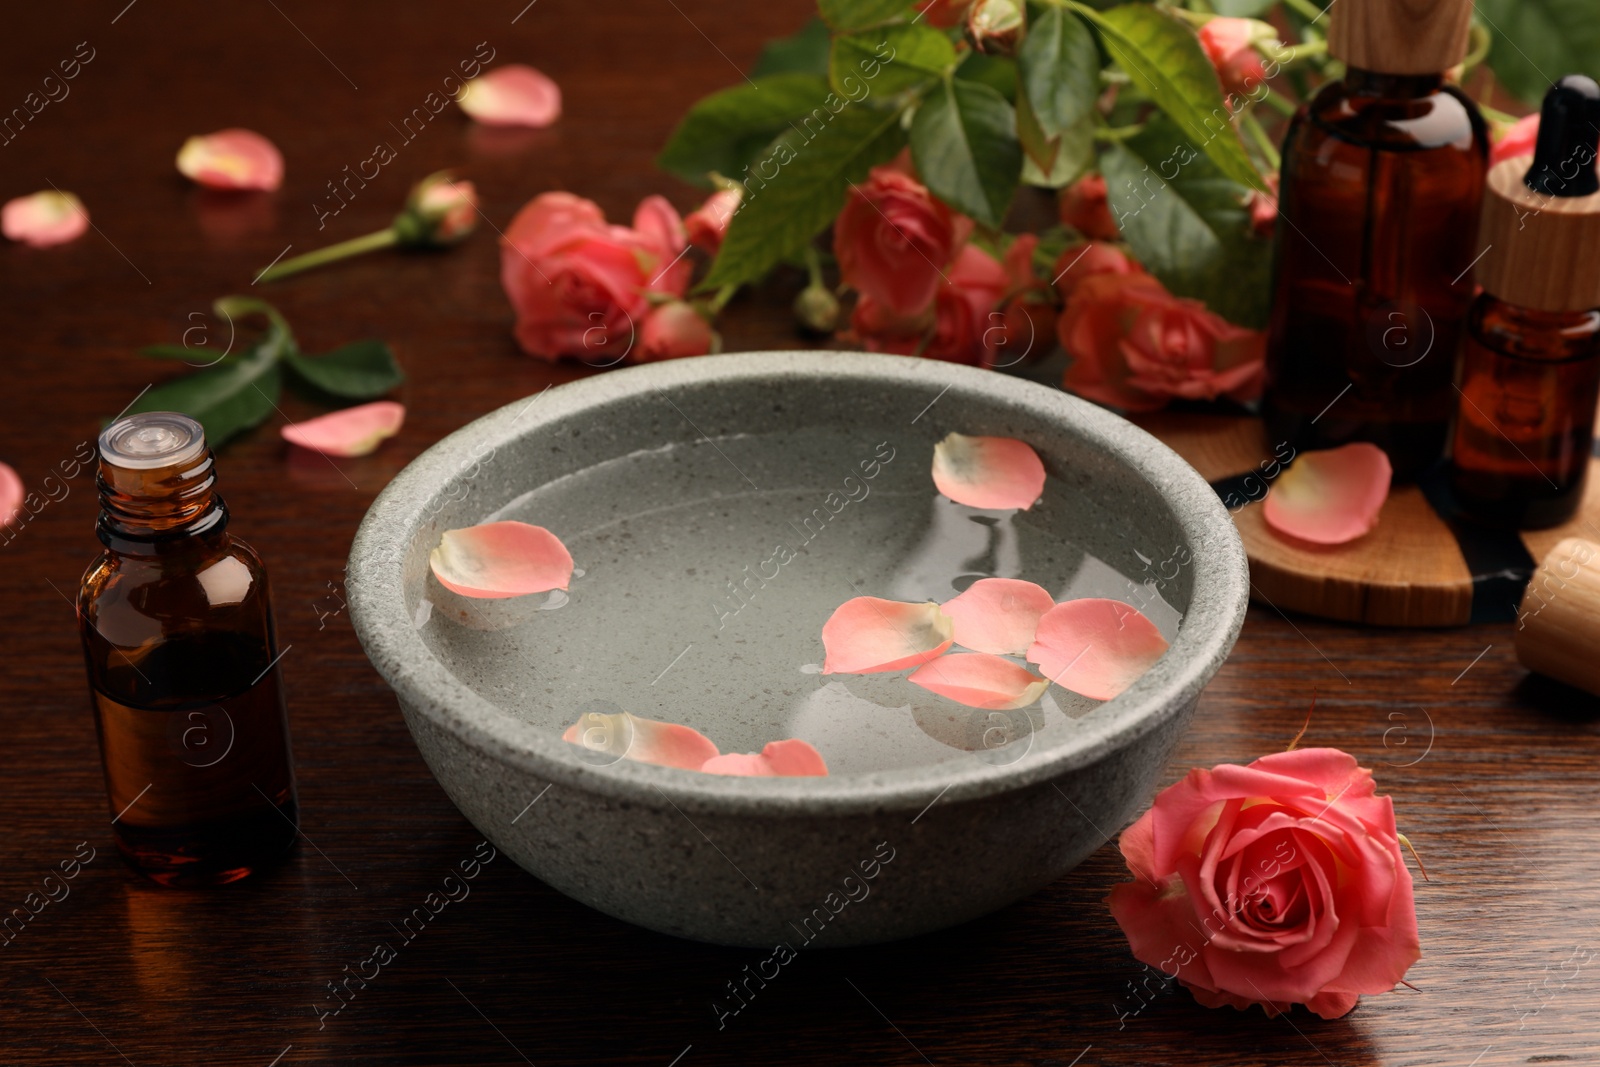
x,y
177,635
1530,368
1382,181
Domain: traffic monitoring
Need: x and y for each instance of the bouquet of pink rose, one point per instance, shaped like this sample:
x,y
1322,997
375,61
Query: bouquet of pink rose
x,y
910,128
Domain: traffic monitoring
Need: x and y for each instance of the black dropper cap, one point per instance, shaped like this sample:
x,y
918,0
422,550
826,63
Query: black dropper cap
x,y
1569,131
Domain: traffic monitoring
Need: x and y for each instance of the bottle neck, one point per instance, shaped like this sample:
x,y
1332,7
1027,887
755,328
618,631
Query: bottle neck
x,y
1527,333
1362,82
144,511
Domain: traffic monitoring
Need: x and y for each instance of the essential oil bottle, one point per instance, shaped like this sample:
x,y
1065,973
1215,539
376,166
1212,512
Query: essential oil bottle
x,y
182,660
1530,369
1382,181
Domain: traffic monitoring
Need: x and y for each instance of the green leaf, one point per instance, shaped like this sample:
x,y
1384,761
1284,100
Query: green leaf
x,y
888,61
1242,9
1166,63
798,187
728,129
1059,68
964,141
847,15
363,370
803,52
1537,40
997,73
1188,223
227,400
1074,156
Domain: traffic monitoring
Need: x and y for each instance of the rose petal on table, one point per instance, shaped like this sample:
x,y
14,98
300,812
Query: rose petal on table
x,y
988,472
45,218
501,559
866,635
666,744
11,494
998,615
232,159
353,431
1330,497
779,759
1095,647
512,95
980,680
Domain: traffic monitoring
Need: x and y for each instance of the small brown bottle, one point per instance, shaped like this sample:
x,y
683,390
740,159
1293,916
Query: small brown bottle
x,y
1382,179
182,659
1530,369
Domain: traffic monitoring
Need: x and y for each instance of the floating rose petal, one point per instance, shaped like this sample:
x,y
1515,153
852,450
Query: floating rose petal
x,y
513,95
987,472
779,759
1095,647
349,431
980,680
232,159
867,635
44,218
625,736
501,559
11,494
998,615
1330,497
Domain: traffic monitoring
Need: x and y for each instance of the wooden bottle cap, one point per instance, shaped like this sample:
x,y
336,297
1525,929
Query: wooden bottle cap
x,y
1400,36
1541,248
1558,623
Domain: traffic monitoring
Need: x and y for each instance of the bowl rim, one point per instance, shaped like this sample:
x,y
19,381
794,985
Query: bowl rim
x,y
427,688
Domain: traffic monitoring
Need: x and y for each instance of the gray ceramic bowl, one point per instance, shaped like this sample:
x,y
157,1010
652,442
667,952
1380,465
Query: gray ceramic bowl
x,y
671,484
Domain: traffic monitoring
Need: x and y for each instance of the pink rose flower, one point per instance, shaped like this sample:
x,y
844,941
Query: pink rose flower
x,y
1515,140
1085,208
1027,325
1136,346
707,224
893,238
1230,44
579,285
956,327
1087,259
674,330
1276,883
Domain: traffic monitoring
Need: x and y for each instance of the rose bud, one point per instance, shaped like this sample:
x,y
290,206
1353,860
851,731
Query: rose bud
x,y
707,224
995,26
439,211
817,309
1085,207
1231,45
673,330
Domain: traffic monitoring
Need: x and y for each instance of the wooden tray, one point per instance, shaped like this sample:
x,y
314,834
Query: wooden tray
x,y
1414,569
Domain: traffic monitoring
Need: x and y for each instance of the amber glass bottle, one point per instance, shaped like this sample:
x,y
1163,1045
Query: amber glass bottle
x,y
1530,371
1383,174
182,660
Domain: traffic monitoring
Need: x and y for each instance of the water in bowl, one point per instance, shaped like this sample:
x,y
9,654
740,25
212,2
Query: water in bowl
x,y
706,571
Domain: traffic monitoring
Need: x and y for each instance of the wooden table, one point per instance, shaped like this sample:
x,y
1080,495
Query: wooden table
x,y
1493,775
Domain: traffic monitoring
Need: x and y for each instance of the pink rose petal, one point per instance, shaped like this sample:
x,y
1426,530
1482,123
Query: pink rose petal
x,y
665,744
348,432
980,680
512,95
866,635
232,159
1095,647
1330,497
987,472
998,615
779,759
501,559
11,494
44,218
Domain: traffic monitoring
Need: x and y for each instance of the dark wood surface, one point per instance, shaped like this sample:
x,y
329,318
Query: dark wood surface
x,y
1494,775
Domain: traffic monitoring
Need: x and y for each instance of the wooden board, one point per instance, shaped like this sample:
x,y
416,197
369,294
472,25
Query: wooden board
x,y
1411,570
